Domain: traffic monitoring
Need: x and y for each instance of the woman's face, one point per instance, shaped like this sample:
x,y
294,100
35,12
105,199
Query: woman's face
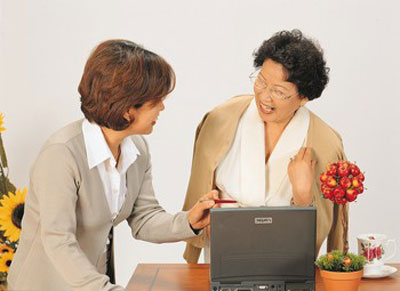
x,y
277,100
145,117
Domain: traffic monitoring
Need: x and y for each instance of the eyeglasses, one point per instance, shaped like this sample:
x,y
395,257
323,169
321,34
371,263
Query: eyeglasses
x,y
259,84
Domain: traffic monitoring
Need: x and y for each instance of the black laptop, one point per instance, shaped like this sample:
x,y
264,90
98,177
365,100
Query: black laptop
x,y
263,248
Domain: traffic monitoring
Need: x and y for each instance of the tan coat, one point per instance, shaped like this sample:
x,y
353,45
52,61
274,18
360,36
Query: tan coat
x,y
67,218
215,135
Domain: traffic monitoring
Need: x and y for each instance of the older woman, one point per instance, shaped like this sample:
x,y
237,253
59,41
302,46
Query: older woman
x,y
95,173
266,149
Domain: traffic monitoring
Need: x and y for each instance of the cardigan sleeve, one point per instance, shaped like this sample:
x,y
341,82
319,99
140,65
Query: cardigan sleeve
x,y
55,180
150,222
193,249
190,200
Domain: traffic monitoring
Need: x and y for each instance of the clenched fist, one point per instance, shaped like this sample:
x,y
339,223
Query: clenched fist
x,y
301,171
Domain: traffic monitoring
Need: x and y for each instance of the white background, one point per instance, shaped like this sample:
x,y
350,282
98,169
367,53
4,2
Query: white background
x,y
44,46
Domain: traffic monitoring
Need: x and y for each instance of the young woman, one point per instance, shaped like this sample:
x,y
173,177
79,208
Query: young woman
x,y
95,173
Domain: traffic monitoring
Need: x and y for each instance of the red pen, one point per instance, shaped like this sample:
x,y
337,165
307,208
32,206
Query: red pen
x,y
220,201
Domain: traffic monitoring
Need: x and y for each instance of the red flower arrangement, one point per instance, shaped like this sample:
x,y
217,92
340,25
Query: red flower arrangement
x,y
341,183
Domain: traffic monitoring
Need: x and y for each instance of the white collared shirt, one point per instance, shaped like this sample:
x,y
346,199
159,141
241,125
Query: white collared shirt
x,y
99,155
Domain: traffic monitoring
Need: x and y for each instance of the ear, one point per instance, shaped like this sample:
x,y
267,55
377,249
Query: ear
x,y
303,101
129,115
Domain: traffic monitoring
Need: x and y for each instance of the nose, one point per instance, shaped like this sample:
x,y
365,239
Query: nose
x,y
265,95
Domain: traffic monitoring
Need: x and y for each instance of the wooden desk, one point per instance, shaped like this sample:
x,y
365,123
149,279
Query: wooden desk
x,y
182,277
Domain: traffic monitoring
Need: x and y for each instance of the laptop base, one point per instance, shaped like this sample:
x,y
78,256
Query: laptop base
x,y
264,286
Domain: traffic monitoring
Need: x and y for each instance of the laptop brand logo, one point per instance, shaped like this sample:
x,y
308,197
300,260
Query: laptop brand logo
x,y
263,220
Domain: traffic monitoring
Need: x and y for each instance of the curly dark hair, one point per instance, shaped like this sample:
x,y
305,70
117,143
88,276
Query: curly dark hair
x,y
302,57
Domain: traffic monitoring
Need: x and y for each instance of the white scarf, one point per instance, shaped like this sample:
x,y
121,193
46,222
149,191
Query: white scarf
x,y
243,175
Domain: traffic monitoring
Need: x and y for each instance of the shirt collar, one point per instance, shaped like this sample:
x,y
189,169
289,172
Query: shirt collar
x,y
98,151
129,153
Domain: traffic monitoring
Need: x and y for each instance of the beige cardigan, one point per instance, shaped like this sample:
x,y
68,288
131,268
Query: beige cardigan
x,y
67,218
214,137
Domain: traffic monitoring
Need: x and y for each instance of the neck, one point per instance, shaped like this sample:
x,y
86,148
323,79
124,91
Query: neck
x,y
113,139
277,127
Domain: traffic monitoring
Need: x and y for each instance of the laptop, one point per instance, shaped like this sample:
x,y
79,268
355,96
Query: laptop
x,y
262,248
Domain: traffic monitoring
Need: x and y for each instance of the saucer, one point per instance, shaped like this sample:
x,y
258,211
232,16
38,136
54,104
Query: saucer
x,y
386,271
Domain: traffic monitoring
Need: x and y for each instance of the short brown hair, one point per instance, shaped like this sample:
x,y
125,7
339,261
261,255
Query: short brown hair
x,y
118,75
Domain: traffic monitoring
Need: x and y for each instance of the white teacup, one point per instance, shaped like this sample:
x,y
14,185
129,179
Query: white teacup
x,y
374,248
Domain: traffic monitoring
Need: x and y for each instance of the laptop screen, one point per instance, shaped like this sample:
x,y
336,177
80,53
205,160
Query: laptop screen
x,y
263,243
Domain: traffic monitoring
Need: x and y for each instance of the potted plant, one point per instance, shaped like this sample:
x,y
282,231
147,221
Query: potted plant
x,y
341,272
341,184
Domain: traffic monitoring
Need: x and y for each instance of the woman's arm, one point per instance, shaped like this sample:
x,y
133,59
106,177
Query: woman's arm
x,y
150,222
53,179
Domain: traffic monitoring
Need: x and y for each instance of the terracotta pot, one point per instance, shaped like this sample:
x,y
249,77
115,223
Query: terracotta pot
x,y
341,281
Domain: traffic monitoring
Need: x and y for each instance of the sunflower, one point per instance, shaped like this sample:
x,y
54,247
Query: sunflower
x,y
5,262
11,212
1,122
5,249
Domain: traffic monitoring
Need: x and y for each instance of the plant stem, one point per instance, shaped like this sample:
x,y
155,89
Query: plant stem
x,y
345,224
3,179
3,164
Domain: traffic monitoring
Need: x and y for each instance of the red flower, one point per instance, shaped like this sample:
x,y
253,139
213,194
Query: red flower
x,y
338,192
355,171
378,252
369,254
366,254
347,261
342,182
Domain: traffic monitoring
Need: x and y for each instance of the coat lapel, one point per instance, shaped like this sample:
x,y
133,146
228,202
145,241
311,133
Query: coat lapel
x,y
214,137
224,132
96,181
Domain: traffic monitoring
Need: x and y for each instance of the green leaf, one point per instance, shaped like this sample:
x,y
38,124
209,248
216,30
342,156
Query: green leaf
x,y
335,263
3,156
6,186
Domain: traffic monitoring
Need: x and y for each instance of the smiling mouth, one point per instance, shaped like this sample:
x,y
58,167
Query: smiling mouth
x,y
267,108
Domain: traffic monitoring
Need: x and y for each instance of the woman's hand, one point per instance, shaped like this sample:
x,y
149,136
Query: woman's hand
x,y
301,171
199,215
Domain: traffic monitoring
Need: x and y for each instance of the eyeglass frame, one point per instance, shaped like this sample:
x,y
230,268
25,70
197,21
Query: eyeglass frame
x,y
257,75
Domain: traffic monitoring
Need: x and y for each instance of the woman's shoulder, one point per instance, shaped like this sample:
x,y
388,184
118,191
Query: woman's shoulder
x,y
65,134
235,105
323,127
64,145
322,134
232,103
